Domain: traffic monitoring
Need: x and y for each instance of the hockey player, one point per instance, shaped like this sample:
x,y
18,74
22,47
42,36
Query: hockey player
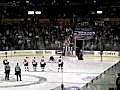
x,y
26,64
7,71
51,58
77,52
18,71
42,64
80,55
60,64
43,58
5,62
34,63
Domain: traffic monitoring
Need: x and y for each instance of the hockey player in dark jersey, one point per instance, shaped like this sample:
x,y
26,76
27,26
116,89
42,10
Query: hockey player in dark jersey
x,y
34,63
80,56
18,71
42,64
60,64
26,64
7,71
51,59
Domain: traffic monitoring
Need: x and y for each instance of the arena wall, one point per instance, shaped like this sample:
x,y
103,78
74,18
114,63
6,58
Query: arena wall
x,y
30,53
54,53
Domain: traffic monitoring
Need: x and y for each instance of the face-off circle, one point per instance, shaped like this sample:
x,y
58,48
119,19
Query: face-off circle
x,y
26,81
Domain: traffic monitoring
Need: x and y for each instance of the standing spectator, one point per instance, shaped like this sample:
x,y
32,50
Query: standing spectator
x,y
7,71
118,82
18,71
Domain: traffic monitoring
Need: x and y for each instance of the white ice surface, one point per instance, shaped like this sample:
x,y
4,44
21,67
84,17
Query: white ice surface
x,y
75,73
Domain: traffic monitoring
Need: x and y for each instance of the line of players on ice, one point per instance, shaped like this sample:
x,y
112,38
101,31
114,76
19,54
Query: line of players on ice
x,y
59,61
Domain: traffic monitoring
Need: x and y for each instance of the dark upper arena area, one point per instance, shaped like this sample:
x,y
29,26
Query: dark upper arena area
x,y
57,22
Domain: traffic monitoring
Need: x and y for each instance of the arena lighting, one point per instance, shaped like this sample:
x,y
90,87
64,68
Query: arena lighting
x,y
37,12
92,12
27,1
30,12
99,12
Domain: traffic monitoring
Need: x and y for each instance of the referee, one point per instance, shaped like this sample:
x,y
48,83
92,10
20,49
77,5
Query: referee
x,y
18,71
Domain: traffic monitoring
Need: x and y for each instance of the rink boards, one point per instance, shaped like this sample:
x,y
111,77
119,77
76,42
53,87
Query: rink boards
x,y
55,52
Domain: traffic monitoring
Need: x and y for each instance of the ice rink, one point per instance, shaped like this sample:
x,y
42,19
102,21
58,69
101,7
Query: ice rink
x,y
75,73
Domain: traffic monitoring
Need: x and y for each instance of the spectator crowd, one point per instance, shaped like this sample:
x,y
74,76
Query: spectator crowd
x,y
22,36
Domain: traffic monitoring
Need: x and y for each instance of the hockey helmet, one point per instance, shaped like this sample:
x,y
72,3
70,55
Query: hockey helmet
x,y
59,60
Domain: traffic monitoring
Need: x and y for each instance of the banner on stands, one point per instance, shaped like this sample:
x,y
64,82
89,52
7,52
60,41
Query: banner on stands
x,y
58,52
55,52
39,51
106,53
84,33
88,52
19,52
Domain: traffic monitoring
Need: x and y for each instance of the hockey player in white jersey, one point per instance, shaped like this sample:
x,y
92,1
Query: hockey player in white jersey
x,y
42,63
25,62
5,61
60,64
34,63
43,58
